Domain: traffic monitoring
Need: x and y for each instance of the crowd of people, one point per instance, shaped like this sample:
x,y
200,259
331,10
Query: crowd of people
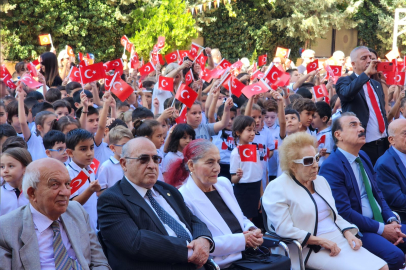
x,y
92,181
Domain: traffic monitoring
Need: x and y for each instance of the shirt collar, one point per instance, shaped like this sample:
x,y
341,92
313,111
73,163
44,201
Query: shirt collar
x,y
76,167
400,154
8,187
141,190
350,157
114,160
179,154
41,221
326,130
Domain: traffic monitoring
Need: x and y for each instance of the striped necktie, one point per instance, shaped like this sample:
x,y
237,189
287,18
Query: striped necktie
x,y
61,257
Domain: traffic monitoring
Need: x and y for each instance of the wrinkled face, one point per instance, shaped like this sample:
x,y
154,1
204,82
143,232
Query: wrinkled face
x,y
12,170
194,115
305,173
398,140
142,174
51,197
158,136
270,118
83,153
206,169
361,61
352,133
306,118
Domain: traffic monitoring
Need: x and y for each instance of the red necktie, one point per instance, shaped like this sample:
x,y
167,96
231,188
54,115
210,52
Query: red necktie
x,y
375,106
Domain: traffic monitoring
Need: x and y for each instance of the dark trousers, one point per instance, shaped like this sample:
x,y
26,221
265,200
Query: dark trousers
x,y
393,255
375,149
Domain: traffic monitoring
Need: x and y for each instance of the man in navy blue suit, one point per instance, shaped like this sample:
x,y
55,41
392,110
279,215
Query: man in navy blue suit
x,y
350,174
391,169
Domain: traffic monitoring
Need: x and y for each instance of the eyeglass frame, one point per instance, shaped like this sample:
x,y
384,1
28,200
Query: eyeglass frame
x,y
301,161
149,160
56,150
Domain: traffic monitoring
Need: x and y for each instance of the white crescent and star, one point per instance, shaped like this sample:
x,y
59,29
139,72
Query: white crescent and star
x,y
87,76
336,70
245,155
313,65
45,39
396,78
114,86
181,94
74,74
256,87
173,57
163,83
77,180
147,68
273,75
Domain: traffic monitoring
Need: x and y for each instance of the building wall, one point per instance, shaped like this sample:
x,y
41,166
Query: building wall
x,y
345,40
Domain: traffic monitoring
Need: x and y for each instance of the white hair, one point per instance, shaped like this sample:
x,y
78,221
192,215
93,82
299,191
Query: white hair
x,y
30,179
215,52
338,54
307,53
353,54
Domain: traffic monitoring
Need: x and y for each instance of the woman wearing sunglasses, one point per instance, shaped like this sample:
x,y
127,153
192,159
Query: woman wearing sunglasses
x,y
299,205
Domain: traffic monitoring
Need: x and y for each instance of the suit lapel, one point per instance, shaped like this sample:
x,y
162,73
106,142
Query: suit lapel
x,y
362,93
347,167
73,235
134,197
29,253
399,162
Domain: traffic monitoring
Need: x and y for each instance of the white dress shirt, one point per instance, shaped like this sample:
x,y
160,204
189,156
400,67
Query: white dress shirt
x,y
45,234
9,200
109,173
401,155
372,132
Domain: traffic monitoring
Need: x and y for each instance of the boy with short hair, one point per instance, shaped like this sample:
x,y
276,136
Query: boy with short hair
x,y
306,108
78,99
55,145
110,171
80,148
324,137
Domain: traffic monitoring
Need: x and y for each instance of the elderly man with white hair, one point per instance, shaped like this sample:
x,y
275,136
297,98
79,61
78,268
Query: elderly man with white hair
x,y
364,96
308,57
50,232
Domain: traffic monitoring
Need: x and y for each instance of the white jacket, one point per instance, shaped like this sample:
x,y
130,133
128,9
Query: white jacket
x,y
228,245
292,211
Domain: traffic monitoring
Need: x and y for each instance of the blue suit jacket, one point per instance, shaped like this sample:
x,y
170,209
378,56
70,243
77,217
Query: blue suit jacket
x,y
338,172
391,178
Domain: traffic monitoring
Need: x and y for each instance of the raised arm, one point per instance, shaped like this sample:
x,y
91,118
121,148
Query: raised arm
x,y
226,116
98,138
281,114
22,118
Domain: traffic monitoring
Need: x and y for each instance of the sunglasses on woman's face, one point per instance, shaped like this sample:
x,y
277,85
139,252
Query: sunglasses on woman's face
x,y
307,161
144,159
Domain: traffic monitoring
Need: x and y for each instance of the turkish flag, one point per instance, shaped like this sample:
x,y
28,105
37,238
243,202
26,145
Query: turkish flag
x,y
80,56
282,52
262,59
248,152
393,54
181,119
336,70
157,58
189,77
126,43
4,72
75,75
205,75
201,60
171,57
322,140
274,74
69,50
327,100
135,62
116,65
45,39
146,69
254,67
107,81
183,54
165,83
216,73
395,78
79,181
257,74
224,64
161,42
186,95
236,65
92,73
194,49
7,79
120,88
235,85
129,47
255,89
29,81
94,165
32,69
320,91
282,81
312,66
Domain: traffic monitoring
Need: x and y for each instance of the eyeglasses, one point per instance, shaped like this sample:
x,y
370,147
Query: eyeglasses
x,y
308,161
119,145
144,159
59,150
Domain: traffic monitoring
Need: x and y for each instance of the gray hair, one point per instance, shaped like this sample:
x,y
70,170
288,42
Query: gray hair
x,y
337,124
30,179
353,53
169,68
307,52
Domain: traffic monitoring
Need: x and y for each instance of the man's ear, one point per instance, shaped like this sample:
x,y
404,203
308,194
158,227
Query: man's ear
x,y
123,163
31,194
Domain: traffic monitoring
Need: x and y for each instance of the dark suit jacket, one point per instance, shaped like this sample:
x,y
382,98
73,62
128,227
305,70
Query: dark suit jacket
x,y
134,236
352,96
391,177
339,174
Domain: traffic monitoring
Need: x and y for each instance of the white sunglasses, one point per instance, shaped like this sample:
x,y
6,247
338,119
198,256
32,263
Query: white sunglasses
x,y
308,161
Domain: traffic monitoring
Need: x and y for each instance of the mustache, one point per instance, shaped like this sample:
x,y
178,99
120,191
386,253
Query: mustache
x,y
362,134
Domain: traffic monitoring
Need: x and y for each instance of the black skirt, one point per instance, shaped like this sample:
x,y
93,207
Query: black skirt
x,y
248,195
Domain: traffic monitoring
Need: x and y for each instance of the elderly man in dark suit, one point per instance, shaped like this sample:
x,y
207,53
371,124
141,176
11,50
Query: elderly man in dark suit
x,y
145,224
365,97
50,232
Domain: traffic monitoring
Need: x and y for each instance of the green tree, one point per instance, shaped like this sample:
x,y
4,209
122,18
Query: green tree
x,y
87,26
168,19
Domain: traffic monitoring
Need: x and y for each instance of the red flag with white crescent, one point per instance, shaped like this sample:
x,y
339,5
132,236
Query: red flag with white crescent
x,y
248,152
312,66
186,95
79,181
165,83
171,57
320,91
255,89
146,69
120,88
29,81
262,60
75,75
92,73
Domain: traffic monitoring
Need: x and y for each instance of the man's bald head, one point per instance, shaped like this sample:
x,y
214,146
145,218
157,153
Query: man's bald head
x,y
134,145
396,126
397,134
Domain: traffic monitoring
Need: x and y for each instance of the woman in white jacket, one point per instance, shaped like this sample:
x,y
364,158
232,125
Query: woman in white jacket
x,y
212,200
299,205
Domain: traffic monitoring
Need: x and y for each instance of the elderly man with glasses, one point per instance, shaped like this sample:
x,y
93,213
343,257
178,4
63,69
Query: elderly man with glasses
x,y
144,223
358,198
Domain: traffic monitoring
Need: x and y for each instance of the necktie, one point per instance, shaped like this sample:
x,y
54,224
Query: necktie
x,y
375,106
61,257
18,192
168,219
374,205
